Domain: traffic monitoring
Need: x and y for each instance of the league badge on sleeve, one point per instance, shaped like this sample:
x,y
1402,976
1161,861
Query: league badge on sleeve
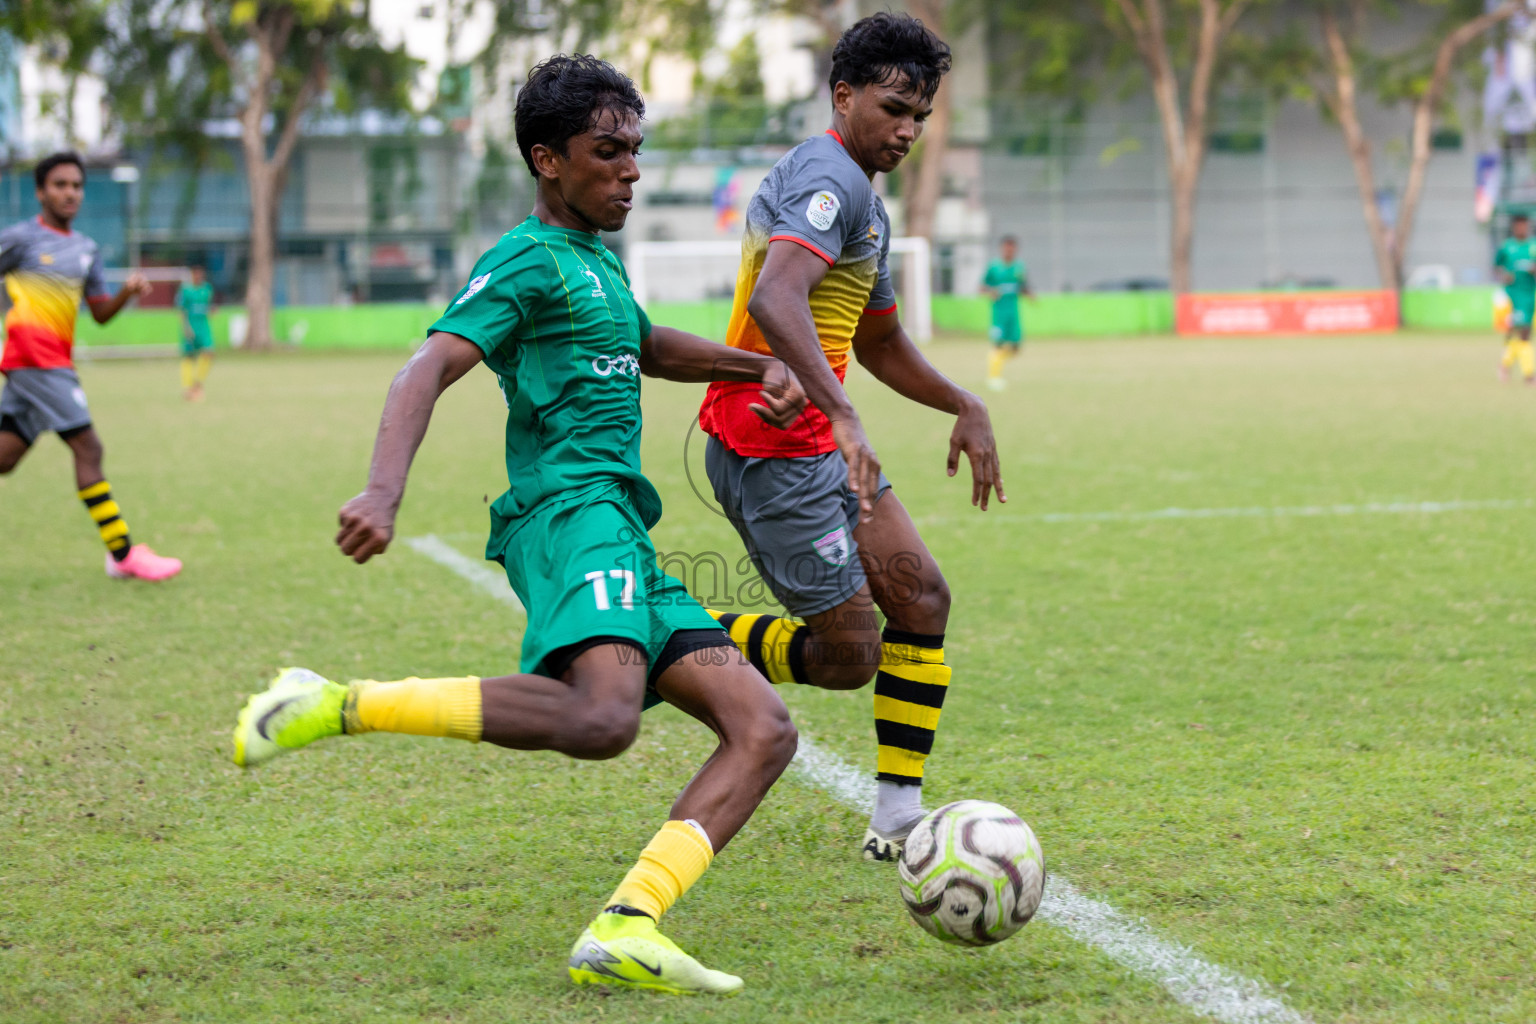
x,y
475,285
822,211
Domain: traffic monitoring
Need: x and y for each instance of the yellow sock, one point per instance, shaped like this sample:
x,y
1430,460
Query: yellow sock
x,y
418,707
204,362
676,857
909,697
1511,352
108,518
1527,359
995,362
774,646
187,378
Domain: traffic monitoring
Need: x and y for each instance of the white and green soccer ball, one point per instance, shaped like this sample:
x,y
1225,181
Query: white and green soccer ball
x,y
972,873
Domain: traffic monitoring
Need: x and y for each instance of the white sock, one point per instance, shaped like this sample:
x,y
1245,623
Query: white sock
x,y
897,807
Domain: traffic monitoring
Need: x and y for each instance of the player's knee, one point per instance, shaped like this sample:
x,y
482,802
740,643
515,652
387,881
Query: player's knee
x,y
8,461
772,738
927,611
87,449
604,731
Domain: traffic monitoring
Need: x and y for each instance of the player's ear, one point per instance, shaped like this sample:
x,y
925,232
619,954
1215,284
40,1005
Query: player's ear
x,y
545,161
842,97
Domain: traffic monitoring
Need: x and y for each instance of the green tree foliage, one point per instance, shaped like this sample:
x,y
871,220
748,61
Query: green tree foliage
x,y
172,66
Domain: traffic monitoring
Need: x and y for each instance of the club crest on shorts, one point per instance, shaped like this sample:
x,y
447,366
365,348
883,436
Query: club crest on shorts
x,y
822,211
833,548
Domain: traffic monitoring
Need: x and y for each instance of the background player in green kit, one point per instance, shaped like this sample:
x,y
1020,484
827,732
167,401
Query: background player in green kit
x,y
195,301
1516,267
548,309
1004,280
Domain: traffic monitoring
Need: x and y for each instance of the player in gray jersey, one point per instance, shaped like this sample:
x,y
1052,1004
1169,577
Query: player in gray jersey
x,y
49,270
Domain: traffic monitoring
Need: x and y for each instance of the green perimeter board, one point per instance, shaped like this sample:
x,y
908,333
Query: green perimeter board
x,y
1067,315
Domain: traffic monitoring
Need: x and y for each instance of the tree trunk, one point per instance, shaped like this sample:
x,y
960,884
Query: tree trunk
x,y
1345,106
258,283
1423,124
1184,182
1183,121
928,187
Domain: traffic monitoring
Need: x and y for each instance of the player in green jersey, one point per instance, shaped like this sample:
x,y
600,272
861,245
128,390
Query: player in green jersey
x,y
548,309
195,302
1003,282
1515,264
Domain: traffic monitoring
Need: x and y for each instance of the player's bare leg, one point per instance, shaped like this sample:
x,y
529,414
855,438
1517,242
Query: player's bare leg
x,y
592,711
12,448
757,740
125,559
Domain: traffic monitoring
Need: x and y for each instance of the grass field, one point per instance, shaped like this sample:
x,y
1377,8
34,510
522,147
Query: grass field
x,y
1301,744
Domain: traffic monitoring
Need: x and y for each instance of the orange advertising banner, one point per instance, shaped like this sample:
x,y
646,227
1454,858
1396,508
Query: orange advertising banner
x,y
1287,313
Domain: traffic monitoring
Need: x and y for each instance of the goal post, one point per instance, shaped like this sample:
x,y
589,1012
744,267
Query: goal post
x,y
704,270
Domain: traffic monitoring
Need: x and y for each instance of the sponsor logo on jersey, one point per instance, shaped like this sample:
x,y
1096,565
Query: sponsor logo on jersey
x,y
475,284
625,366
597,286
833,548
46,259
822,211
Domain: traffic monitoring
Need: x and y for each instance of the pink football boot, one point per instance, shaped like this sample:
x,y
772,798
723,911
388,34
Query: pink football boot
x,y
142,564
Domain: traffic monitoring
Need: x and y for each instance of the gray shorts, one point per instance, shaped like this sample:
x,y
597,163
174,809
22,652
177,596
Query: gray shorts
x,y
796,517
35,401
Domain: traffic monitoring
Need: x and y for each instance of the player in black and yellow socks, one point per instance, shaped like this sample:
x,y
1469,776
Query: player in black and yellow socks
x,y
49,270
819,520
549,311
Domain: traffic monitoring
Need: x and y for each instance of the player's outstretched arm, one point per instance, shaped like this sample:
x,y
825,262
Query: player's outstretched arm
x,y
105,307
882,347
368,520
671,354
781,307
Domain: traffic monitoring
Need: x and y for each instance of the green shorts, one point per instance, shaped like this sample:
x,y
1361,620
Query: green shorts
x,y
1523,307
589,570
1007,331
200,341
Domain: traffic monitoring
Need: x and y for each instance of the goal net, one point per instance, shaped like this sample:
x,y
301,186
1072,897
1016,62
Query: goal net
x,y
689,285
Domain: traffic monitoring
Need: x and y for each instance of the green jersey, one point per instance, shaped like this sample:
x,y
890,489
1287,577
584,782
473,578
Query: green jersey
x,y
195,301
1519,258
552,311
1008,280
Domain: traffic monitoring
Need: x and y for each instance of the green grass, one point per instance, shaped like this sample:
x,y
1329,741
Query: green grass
x,y
1302,746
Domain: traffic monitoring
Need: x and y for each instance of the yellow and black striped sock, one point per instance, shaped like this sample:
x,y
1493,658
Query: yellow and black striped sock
x,y
109,519
909,696
774,646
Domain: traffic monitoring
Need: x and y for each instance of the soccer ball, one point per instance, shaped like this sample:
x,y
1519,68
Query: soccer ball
x,y
972,873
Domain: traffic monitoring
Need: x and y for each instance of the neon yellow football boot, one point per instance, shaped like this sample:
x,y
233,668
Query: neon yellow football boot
x,y
619,949
298,708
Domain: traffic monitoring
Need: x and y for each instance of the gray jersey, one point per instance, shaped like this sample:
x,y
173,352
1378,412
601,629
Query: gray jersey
x,y
46,273
818,196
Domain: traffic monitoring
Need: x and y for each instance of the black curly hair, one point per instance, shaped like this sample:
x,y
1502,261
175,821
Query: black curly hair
x,y
883,48
48,163
564,96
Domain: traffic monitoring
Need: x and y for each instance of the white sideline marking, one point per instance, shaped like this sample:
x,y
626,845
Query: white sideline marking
x,y
486,579
1369,508
1202,986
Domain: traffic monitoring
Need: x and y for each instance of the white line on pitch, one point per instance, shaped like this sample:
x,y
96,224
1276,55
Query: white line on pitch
x,y
449,557
1369,508
1202,986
